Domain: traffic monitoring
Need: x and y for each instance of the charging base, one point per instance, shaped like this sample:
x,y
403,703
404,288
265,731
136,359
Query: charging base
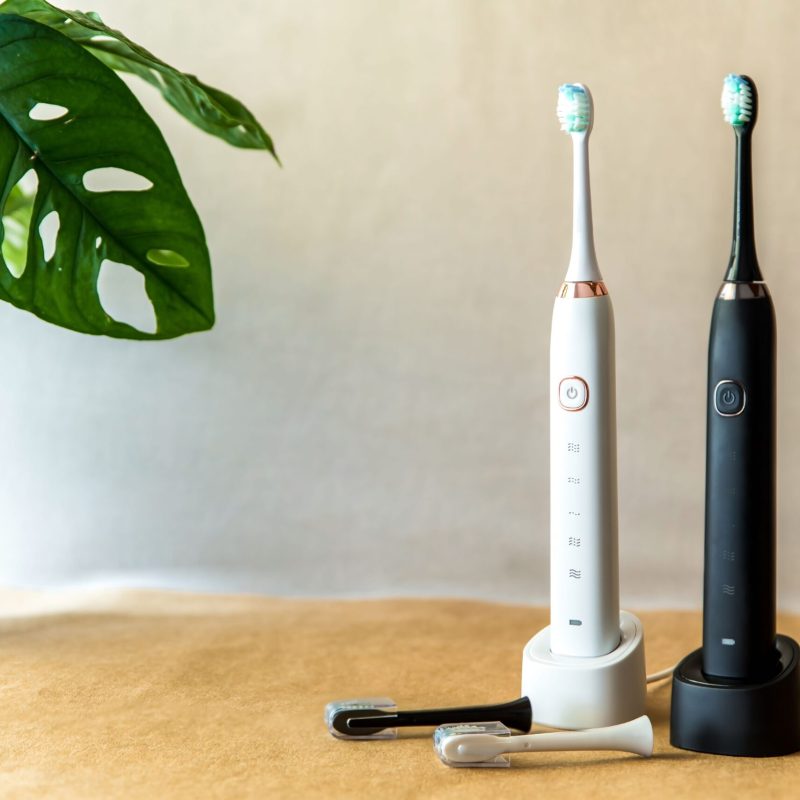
x,y
735,719
572,692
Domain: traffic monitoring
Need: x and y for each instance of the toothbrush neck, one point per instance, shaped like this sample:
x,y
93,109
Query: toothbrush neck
x,y
743,264
583,261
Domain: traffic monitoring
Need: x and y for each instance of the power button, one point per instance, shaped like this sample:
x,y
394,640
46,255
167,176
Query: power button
x,y
573,393
729,398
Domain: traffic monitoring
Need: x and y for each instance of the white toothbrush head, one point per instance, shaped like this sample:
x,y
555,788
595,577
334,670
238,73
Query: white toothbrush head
x,y
739,101
472,745
489,744
575,109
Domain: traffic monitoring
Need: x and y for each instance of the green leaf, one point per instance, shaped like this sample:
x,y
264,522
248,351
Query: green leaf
x,y
100,125
211,110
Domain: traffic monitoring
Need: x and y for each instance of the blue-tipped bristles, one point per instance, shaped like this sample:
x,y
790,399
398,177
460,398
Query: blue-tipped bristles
x,y
738,100
574,109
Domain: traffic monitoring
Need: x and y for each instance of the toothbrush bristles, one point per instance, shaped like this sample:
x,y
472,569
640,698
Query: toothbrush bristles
x,y
574,109
737,100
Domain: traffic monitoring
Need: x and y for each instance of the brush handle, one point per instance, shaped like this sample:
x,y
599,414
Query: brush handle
x,y
584,585
739,581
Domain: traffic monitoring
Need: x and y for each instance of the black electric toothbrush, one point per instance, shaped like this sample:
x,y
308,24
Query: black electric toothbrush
x,y
739,582
378,718
739,694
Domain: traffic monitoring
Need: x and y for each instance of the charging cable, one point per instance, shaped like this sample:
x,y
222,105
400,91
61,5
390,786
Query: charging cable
x,y
661,675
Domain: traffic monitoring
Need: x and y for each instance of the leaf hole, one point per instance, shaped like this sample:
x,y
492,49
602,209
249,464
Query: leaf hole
x,y
28,183
17,213
48,231
115,179
123,295
101,37
45,112
166,258
97,242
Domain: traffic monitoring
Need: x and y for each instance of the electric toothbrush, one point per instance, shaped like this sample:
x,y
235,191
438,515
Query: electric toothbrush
x,y
739,582
586,669
740,693
584,603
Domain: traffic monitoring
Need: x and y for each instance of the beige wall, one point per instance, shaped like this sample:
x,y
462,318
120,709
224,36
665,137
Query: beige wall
x,y
369,416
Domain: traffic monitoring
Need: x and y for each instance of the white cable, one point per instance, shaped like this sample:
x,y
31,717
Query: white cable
x,y
661,675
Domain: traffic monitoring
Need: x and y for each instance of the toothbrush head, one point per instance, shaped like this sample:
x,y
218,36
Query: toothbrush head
x,y
575,108
475,745
739,102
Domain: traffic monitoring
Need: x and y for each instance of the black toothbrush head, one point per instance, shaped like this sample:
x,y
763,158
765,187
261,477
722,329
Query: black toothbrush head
x,y
740,108
740,102
379,718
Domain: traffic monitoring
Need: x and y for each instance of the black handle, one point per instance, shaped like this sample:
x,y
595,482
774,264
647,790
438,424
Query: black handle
x,y
739,581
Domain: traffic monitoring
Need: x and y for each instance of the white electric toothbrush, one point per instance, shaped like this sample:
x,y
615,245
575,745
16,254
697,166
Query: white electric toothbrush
x,y
584,607
586,669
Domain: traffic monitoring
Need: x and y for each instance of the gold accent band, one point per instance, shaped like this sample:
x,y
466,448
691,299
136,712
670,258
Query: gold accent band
x,y
582,289
730,290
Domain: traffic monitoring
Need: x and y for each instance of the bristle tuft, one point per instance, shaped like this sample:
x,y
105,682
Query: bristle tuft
x,y
737,100
574,109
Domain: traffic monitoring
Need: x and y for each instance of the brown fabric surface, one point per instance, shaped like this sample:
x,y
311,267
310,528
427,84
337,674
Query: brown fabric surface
x,y
155,694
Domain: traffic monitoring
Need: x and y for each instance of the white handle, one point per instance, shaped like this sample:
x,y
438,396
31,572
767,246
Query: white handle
x,y
584,582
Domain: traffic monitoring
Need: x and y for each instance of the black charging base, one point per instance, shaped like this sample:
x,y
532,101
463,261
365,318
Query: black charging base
x,y
736,719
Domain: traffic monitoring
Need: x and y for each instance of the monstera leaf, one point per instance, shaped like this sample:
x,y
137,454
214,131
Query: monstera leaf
x,y
88,184
210,109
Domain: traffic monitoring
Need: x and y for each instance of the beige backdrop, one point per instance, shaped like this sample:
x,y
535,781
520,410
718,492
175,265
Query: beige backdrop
x,y
369,415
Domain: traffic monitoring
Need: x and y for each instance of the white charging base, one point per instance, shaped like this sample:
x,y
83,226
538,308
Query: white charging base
x,y
573,692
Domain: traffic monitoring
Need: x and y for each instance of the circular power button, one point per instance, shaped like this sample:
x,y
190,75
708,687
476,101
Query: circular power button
x,y
729,398
573,393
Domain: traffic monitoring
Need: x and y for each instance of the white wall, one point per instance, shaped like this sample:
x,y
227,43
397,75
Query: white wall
x,y
369,415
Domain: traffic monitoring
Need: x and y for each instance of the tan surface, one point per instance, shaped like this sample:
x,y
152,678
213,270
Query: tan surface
x,y
172,696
